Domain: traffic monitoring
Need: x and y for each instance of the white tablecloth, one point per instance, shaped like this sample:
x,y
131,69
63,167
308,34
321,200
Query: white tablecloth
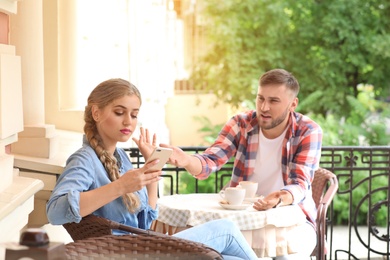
x,y
268,232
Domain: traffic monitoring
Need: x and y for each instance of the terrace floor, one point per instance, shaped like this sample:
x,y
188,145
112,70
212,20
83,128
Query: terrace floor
x,y
340,241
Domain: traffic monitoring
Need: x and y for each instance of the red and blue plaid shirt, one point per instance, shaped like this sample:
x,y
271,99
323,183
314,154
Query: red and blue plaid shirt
x,y
300,156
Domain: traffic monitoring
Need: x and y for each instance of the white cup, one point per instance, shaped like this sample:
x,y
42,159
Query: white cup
x,y
250,188
233,195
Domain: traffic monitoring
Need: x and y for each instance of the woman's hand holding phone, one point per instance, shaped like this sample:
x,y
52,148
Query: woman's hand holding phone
x,y
160,153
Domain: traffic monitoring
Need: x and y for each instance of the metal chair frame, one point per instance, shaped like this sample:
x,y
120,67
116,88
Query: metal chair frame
x,y
324,188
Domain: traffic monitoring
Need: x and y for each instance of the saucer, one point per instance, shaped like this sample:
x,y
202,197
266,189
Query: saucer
x,y
243,206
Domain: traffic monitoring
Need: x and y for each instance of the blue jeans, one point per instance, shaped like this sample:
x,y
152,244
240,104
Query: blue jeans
x,y
222,235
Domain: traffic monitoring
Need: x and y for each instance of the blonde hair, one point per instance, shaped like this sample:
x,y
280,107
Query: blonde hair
x,y
104,94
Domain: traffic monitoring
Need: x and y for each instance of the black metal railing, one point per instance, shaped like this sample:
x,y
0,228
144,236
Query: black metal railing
x,y
363,196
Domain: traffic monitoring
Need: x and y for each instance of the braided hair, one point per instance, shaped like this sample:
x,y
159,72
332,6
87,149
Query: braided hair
x,y
104,94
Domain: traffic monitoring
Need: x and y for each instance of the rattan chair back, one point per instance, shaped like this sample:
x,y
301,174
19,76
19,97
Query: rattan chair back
x,y
89,226
93,239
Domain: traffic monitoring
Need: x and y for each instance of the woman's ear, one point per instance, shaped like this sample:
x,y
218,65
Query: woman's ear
x,y
95,113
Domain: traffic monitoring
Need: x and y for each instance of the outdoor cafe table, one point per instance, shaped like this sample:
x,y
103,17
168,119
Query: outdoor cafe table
x,y
270,233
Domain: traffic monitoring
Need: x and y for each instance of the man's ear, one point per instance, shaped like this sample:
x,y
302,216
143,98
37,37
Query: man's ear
x,y
294,104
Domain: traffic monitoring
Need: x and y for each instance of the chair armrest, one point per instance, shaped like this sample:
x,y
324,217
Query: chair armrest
x,y
321,215
331,191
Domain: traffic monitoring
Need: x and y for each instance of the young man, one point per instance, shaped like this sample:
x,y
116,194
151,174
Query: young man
x,y
272,145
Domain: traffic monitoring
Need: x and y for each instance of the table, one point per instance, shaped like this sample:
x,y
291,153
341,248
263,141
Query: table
x,y
270,233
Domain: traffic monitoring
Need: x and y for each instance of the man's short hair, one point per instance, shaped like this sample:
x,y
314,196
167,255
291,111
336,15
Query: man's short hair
x,y
279,77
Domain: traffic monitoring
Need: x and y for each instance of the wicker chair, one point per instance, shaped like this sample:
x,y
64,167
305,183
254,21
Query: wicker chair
x,y
93,239
324,186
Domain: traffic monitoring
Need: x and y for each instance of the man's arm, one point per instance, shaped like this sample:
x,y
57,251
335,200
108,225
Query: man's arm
x,y
183,160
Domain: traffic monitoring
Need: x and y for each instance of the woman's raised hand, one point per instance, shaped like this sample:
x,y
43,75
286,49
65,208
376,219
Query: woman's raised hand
x,y
144,143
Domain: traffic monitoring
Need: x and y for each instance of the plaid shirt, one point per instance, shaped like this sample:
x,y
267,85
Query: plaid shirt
x,y
300,156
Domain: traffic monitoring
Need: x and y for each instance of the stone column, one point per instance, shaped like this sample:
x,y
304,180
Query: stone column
x,y
16,193
26,34
11,115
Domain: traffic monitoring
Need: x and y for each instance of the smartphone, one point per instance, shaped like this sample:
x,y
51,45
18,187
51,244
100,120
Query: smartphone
x,y
162,154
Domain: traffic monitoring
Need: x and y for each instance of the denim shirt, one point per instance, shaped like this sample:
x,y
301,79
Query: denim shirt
x,y
84,172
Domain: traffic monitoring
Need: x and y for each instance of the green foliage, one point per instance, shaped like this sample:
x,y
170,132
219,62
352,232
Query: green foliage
x,y
360,187
187,182
367,123
330,46
339,50
208,129
241,39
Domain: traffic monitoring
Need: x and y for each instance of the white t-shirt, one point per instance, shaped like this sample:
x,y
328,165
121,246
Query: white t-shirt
x,y
268,166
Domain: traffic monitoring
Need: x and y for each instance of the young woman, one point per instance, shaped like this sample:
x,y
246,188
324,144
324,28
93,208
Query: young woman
x,y
99,178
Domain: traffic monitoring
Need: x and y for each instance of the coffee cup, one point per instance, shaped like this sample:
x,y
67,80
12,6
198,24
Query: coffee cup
x,y
233,195
250,188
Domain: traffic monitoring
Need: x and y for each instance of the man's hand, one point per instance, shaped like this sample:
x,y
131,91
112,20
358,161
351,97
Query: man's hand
x,y
183,160
274,199
178,157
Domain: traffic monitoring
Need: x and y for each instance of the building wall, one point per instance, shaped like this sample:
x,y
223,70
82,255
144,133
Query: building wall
x,y
30,75
181,111
16,192
155,64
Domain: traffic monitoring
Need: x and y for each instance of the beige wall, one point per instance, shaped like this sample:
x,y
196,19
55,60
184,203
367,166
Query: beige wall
x,y
54,46
180,112
180,109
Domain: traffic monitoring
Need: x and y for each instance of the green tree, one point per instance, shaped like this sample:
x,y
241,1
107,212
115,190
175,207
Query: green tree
x,y
339,45
339,50
367,123
331,47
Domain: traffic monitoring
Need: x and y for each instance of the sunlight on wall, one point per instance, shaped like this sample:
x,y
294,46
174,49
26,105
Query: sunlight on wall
x,y
134,40
102,45
151,43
